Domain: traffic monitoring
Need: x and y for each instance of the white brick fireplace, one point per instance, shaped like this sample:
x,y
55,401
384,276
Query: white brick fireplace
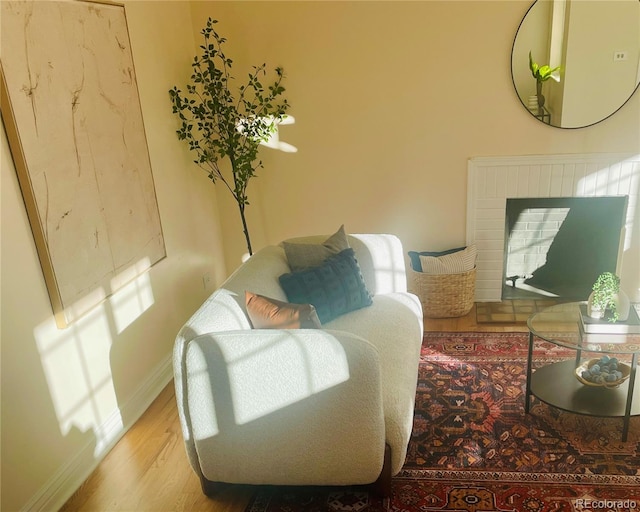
x,y
492,180
531,239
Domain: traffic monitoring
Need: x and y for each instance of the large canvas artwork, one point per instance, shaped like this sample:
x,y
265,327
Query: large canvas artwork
x,y
72,114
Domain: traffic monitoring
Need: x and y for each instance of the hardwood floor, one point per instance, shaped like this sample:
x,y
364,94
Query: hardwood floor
x,y
148,470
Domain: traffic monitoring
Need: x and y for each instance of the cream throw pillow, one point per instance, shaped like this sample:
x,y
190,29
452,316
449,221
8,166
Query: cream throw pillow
x,y
456,263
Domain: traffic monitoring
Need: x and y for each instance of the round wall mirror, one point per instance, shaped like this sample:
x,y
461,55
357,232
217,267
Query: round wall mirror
x,y
586,57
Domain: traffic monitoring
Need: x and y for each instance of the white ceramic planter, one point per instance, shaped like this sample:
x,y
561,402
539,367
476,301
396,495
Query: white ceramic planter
x,y
622,302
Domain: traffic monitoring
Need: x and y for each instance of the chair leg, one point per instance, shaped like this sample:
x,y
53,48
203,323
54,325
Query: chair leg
x,y
209,488
382,486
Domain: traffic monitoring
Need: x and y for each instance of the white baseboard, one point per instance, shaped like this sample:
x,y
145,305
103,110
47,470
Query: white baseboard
x,y
55,492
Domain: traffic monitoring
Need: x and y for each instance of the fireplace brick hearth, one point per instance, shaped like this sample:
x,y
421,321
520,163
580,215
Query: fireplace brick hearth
x,y
491,180
531,238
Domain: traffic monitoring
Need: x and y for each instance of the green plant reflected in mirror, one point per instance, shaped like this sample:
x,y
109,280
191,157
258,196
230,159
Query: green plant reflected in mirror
x,y
591,51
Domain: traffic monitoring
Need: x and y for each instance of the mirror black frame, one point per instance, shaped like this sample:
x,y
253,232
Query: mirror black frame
x,y
537,117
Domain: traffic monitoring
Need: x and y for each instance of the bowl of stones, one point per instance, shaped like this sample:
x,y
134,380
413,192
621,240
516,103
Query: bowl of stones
x,y
605,372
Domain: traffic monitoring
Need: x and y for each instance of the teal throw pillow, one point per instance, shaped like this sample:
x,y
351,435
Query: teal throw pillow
x,y
334,288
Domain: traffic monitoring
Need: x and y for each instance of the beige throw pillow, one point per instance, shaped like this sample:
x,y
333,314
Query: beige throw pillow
x,y
455,263
301,256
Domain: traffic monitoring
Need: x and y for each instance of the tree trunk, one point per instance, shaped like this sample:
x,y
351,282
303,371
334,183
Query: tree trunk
x,y
245,228
239,195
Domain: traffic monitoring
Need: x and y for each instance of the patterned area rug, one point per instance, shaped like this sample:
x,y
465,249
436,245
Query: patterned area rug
x,y
474,450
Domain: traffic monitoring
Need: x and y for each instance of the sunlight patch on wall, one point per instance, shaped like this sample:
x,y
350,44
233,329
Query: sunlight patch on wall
x,y
621,178
274,141
76,360
77,367
390,272
132,294
86,304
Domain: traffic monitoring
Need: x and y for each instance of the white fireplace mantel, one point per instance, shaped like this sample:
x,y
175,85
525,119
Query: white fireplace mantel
x,y
492,180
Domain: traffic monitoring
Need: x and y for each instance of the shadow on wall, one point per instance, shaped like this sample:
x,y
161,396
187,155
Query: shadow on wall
x,y
584,245
77,360
86,416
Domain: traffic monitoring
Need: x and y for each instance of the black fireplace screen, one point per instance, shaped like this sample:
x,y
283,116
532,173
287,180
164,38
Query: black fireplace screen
x,y
569,240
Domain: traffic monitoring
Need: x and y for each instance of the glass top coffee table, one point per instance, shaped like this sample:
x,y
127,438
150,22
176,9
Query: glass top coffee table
x,y
557,383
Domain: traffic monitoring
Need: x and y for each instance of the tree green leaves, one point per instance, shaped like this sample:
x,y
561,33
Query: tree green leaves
x,y
218,122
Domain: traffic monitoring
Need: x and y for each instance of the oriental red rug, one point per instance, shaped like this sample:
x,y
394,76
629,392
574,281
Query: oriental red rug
x,y
473,449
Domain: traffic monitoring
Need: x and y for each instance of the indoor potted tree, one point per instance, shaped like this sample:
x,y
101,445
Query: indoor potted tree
x,y
607,300
219,124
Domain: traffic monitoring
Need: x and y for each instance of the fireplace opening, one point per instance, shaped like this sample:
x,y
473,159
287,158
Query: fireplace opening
x,y
557,247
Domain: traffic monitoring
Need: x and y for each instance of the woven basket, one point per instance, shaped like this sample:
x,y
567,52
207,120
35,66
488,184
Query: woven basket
x,y
444,295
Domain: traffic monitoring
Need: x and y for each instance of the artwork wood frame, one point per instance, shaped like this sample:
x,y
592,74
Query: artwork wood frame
x,y
72,114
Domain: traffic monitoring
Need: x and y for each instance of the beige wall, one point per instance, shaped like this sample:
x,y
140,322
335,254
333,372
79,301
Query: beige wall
x,y
390,98
67,393
534,37
590,69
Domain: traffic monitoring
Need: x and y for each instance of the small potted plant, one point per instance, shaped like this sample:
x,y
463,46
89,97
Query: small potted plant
x,y
541,74
607,300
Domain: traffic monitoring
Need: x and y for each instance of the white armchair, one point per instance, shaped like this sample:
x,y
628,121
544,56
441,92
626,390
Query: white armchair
x,y
306,406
